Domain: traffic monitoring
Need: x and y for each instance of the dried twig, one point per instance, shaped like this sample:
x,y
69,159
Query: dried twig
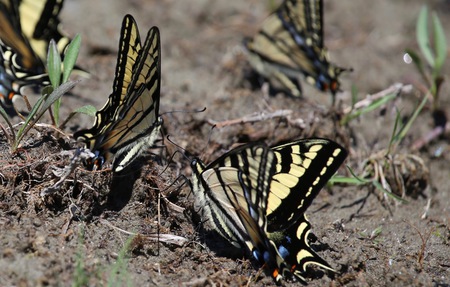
x,y
53,128
167,238
255,117
433,134
421,253
173,206
395,88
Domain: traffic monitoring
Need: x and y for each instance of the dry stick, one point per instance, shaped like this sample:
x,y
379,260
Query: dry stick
x,y
255,117
72,215
433,134
54,128
395,88
173,206
421,253
167,238
7,135
159,215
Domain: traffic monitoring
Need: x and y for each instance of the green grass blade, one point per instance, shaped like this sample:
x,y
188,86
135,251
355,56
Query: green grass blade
x,y
119,273
387,192
393,138
27,126
87,110
54,64
70,57
354,95
374,105
80,276
422,35
54,73
42,105
57,94
5,116
347,180
404,130
440,43
359,179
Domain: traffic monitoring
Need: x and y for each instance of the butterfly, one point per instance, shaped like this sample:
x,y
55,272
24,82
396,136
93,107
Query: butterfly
x,y
26,28
256,197
129,122
290,45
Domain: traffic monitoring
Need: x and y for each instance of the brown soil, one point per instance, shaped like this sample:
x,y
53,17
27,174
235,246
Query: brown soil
x,y
79,232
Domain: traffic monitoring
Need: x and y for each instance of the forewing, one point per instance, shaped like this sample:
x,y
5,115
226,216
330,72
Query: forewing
x,y
129,48
39,21
12,37
304,18
303,168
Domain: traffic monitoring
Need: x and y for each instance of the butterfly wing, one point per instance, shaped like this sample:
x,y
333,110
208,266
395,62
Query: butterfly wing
x,y
269,55
26,28
140,122
294,250
12,37
129,122
42,27
306,18
290,44
232,192
303,168
257,196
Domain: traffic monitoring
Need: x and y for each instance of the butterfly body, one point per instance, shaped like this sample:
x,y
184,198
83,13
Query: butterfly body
x,y
255,197
129,122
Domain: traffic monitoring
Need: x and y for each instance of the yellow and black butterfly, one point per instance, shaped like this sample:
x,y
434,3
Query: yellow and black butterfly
x,y
129,122
256,197
26,28
289,45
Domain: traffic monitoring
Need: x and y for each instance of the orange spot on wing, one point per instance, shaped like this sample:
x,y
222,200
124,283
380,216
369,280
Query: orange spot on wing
x,y
334,86
275,273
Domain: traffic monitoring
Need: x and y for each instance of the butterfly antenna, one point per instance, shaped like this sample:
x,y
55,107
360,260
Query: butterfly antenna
x,y
186,154
185,180
168,163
